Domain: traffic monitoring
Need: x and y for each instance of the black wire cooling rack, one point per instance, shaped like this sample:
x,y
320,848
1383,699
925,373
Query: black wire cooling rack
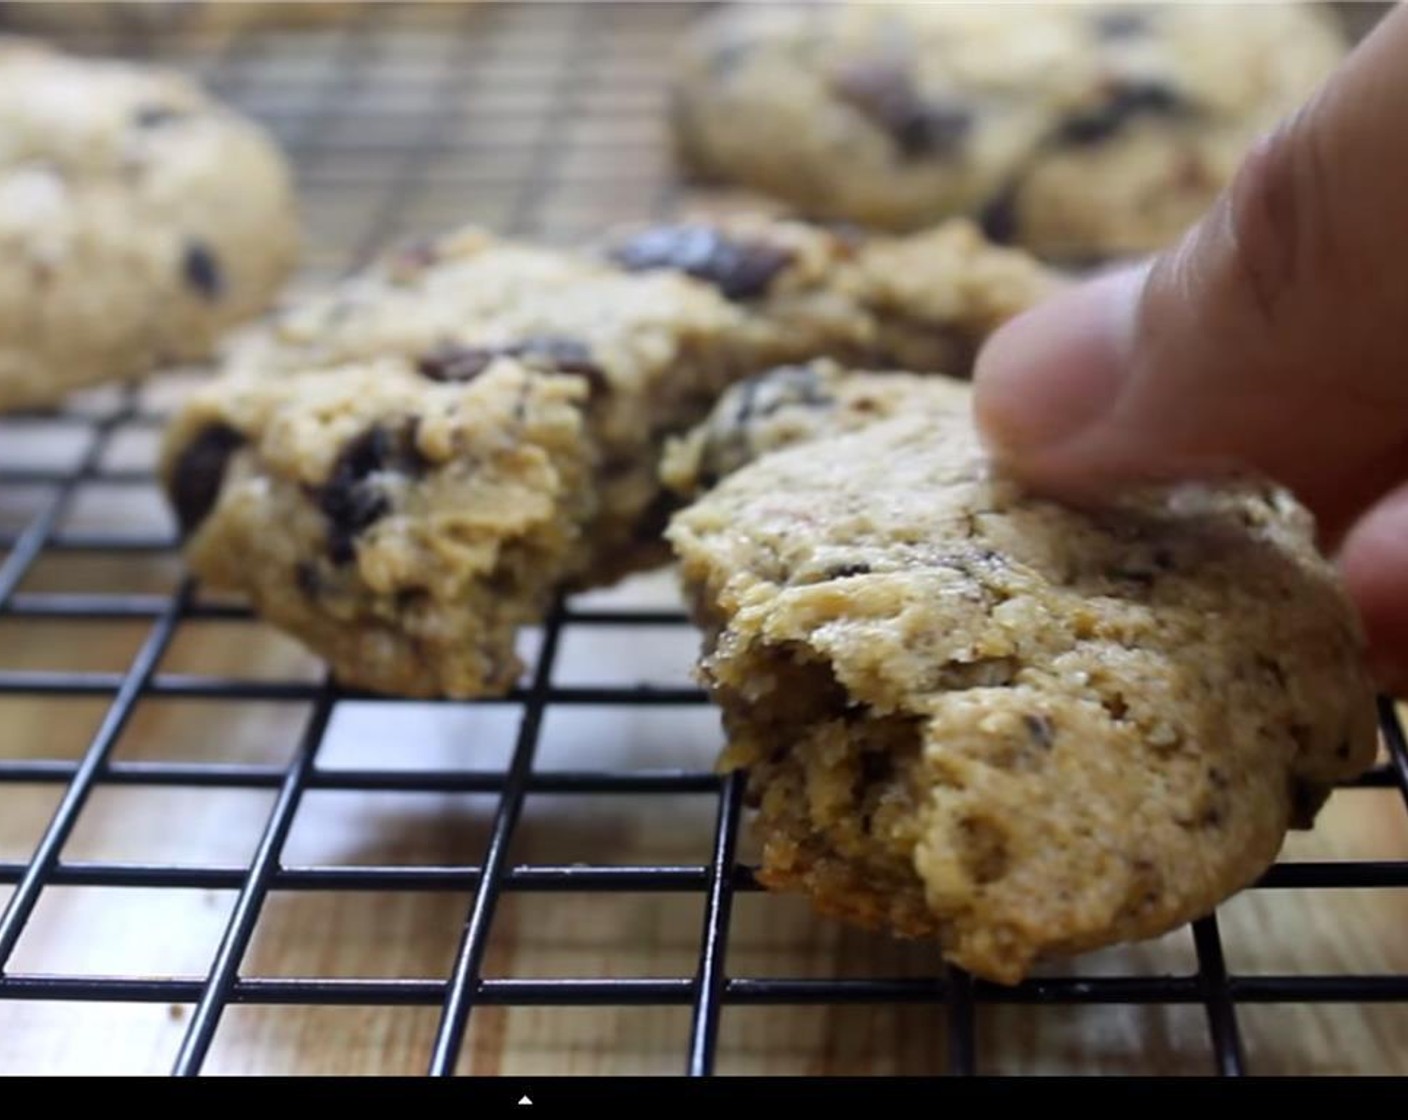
x,y
545,121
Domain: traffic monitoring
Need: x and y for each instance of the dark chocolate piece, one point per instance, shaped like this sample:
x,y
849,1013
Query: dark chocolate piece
x,y
739,269
998,217
778,388
351,499
202,270
1041,729
565,355
1124,102
154,116
1122,23
451,362
200,473
309,582
884,92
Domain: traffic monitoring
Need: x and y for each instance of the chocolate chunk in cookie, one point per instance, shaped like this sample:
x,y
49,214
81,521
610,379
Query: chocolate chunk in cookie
x,y
884,91
1123,103
201,269
199,473
354,496
998,217
1122,23
739,269
155,116
452,362
846,571
564,355
798,386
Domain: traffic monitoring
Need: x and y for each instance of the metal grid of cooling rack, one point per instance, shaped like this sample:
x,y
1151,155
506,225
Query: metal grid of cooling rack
x,y
542,121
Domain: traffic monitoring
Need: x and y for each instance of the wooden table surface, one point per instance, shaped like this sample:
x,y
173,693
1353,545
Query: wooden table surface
x,y
173,932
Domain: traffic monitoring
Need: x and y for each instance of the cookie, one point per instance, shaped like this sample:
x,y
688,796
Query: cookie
x,y
1077,130
1018,728
653,328
405,527
138,218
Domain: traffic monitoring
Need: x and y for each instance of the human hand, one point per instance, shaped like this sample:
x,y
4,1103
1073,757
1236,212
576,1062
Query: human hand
x,y
1274,337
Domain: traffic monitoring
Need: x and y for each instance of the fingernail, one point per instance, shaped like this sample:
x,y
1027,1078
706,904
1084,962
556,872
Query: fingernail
x,y
1050,373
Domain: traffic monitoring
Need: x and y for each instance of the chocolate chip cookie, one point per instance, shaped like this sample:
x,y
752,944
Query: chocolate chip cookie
x,y
650,330
138,219
403,526
1077,130
975,715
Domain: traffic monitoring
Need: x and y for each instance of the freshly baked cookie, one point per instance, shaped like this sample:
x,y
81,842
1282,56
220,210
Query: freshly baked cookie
x,y
138,219
1022,729
653,328
1077,130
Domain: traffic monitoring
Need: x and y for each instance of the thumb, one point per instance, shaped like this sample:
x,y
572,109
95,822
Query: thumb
x,y
1275,336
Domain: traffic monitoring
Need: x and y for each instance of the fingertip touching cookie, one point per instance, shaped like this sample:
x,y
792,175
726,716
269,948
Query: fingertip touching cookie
x,y
1018,728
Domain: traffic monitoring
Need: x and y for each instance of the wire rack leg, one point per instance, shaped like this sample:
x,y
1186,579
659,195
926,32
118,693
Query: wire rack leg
x,y
709,980
245,915
459,1000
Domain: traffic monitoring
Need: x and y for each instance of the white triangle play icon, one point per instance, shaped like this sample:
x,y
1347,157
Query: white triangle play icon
x,y
524,1099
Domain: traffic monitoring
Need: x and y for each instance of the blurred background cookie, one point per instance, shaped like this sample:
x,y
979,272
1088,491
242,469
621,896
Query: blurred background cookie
x,y
138,219
1079,131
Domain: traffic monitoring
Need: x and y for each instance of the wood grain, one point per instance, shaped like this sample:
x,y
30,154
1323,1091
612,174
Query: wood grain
x,y
610,167
90,931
